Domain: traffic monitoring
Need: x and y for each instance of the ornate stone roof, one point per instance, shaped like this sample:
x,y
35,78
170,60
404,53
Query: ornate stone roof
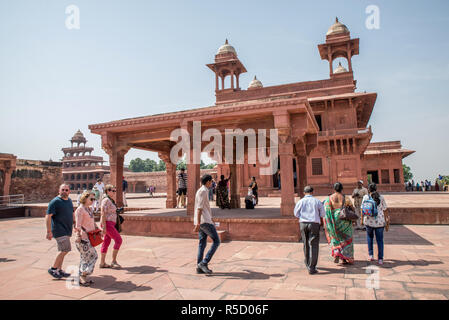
x,y
255,83
340,69
226,48
79,136
337,28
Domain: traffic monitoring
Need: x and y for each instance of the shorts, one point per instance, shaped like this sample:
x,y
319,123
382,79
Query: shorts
x,y
182,191
64,244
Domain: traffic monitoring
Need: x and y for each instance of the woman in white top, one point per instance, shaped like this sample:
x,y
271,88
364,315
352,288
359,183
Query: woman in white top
x,y
375,225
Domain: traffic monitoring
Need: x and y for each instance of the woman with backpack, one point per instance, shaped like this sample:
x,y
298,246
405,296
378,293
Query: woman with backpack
x,y
375,218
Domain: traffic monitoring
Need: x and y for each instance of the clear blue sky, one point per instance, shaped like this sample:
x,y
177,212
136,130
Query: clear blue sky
x,y
135,58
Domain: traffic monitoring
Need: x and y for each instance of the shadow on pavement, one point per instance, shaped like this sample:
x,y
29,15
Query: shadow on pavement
x,y
247,274
143,270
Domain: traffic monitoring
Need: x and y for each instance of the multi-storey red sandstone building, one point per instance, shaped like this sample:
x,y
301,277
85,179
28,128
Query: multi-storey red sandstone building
x,y
80,168
322,125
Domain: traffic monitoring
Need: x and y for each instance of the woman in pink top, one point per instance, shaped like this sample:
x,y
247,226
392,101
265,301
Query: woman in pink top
x,y
85,223
108,221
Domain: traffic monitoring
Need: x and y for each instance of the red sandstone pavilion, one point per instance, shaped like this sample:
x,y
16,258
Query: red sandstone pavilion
x,y
322,130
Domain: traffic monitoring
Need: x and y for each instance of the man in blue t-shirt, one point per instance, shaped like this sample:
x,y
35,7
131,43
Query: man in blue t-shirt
x,y
59,221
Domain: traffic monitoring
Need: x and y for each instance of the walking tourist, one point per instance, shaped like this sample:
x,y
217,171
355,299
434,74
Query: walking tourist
x,y
100,186
254,187
211,190
204,225
437,186
375,224
339,232
59,222
310,212
358,195
108,222
85,223
222,193
125,190
182,187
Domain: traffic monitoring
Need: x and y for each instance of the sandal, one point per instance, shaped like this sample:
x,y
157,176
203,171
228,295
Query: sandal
x,y
86,283
105,266
115,265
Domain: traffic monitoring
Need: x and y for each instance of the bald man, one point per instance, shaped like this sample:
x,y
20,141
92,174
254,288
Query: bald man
x,y
59,221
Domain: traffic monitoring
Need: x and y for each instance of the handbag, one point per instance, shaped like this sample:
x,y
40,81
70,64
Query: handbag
x,y
347,212
94,237
118,222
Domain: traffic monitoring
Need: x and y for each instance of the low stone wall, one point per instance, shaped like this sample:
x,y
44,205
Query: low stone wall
x,y
400,215
236,229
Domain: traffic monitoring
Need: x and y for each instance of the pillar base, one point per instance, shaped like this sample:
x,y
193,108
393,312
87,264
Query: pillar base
x,y
170,204
235,202
287,208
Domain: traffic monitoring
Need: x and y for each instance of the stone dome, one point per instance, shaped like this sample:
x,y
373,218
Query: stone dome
x,y
226,48
255,83
340,69
78,136
337,28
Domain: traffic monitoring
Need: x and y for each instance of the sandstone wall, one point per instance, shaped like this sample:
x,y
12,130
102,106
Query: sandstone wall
x,y
38,181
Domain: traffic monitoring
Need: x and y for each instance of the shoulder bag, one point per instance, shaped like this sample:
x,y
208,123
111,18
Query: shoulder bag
x,y
347,212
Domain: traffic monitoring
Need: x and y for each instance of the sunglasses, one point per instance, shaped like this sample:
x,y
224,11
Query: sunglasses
x,y
112,190
65,189
92,199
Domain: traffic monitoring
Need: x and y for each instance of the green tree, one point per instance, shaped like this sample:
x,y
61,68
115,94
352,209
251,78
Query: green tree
x,y
150,165
161,166
137,165
408,175
181,165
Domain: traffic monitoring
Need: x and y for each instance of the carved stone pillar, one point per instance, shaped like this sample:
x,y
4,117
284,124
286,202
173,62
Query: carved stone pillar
x,y
193,171
171,180
234,186
116,152
282,123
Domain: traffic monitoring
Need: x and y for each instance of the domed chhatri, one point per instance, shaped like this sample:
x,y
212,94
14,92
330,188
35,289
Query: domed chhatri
x,y
78,136
255,83
226,48
340,69
337,28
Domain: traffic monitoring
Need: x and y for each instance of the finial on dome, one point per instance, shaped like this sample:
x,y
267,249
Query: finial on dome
x,y
226,42
336,19
255,78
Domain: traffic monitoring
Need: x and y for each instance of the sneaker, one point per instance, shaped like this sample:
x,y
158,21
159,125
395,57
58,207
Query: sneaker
x,y
63,274
371,258
54,273
204,268
198,270
381,262
313,271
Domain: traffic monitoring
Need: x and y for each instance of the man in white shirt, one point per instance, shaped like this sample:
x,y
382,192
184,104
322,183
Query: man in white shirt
x,y
204,225
310,212
100,186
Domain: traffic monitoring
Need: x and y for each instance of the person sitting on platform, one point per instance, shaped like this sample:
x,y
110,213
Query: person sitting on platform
x,y
250,200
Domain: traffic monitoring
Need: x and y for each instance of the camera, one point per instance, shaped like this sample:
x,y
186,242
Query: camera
x,y
120,210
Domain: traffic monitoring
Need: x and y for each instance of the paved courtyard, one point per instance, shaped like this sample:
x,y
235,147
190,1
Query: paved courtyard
x,y
416,267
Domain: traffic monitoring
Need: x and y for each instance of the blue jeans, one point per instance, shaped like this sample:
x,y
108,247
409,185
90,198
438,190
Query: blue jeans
x,y
379,239
207,229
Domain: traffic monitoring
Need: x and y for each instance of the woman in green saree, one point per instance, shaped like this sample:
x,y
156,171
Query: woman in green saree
x,y
339,232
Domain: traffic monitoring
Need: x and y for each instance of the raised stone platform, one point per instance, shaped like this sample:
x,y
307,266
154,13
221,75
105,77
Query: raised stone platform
x,y
149,217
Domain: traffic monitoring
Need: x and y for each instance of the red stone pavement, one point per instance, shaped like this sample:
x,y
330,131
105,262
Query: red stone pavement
x,y
416,267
